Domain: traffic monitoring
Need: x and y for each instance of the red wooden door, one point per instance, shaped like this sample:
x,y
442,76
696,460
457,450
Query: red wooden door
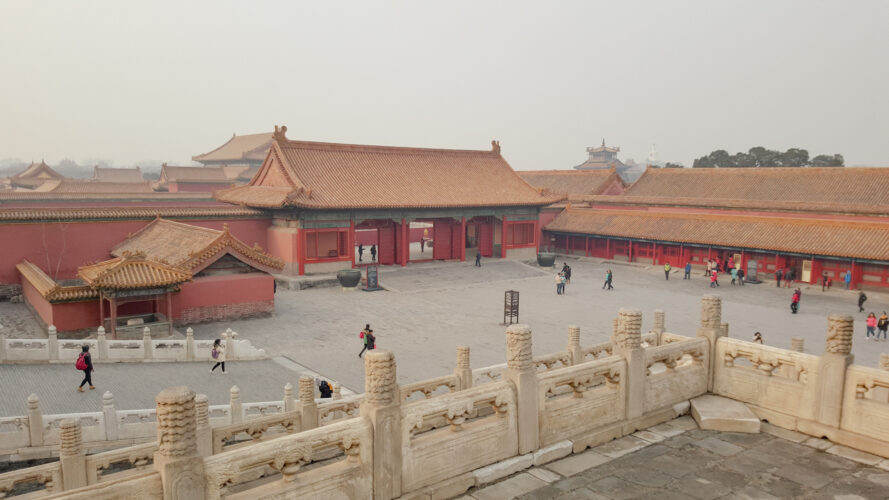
x,y
486,239
456,227
441,231
386,248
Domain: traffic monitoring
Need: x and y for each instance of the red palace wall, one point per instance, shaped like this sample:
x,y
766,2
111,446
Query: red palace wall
x,y
66,246
65,316
210,298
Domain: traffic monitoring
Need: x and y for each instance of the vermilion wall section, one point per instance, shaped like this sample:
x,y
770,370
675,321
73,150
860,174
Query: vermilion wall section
x,y
40,305
213,298
64,316
60,248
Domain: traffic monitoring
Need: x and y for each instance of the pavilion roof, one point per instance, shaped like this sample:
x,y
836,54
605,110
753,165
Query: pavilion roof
x,y
571,182
849,239
51,290
127,175
191,248
132,271
839,185
38,170
252,147
171,173
93,187
317,175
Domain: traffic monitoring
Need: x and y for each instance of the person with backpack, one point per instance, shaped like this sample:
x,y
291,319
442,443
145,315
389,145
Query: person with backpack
x,y
667,269
373,253
882,325
871,325
741,277
734,273
325,389
862,298
217,352
794,301
778,275
608,277
84,363
364,335
687,271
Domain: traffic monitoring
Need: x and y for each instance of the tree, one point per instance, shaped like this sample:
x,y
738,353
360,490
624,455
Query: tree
x,y
795,157
702,162
765,157
828,161
743,160
674,165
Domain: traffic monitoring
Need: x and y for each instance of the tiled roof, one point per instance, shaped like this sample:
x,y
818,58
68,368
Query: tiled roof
x,y
736,204
36,196
26,214
862,240
568,182
94,187
253,147
170,173
106,174
49,288
345,176
191,247
132,271
36,169
869,186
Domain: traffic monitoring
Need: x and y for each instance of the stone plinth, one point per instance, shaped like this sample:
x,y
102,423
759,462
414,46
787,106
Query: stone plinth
x,y
715,413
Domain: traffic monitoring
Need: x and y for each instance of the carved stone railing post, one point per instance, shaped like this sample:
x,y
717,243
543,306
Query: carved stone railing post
x,y
109,415
102,344
146,343
884,361
189,344
308,410
659,327
463,371
236,411
177,459
228,336
203,432
71,457
628,343
337,391
52,343
35,421
832,367
797,344
382,405
521,372
289,402
573,348
2,349
712,329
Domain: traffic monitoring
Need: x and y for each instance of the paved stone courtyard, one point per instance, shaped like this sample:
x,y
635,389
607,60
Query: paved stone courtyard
x,y
676,460
430,308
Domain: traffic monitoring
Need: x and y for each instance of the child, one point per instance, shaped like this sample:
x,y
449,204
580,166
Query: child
x,y
217,353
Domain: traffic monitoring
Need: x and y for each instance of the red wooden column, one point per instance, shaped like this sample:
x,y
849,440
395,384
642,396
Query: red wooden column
x,y
854,280
405,244
608,249
630,252
503,238
586,247
102,308
463,239
113,318
300,251
351,241
169,298
654,254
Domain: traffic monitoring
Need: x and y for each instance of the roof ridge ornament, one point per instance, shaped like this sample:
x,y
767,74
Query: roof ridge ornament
x,y
280,134
495,146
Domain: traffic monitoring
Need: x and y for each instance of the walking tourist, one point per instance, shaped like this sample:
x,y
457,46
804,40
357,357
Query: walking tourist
x,y
85,364
757,337
564,282
824,280
734,273
324,389
687,271
871,325
373,252
794,301
789,276
478,258
608,278
778,275
848,279
741,277
709,267
218,355
667,270
566,270
862,298
363,335
731,263
882,325
360,252
714,278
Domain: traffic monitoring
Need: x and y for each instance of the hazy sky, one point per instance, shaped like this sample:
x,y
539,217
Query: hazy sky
x,y
130,82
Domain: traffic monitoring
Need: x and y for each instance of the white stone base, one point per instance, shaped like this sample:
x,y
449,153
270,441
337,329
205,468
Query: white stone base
x,y
716,413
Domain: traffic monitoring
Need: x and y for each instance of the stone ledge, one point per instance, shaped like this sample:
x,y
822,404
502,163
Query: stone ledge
x,y
504,468
553,452
716,413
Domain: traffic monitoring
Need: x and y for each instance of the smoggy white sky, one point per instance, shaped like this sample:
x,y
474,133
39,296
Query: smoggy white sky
x,y
166,80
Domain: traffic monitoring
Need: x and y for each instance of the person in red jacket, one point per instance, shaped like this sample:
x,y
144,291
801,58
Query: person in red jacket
x,y
794,301
872,325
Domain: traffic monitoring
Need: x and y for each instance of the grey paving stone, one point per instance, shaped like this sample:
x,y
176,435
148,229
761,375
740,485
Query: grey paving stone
x,y
544,475
744,440
620,447
644,476
803,475
774,430
746,465
780,487
719,446
618,489
573,464
700,488
572,483
750,493
582,494
512,487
